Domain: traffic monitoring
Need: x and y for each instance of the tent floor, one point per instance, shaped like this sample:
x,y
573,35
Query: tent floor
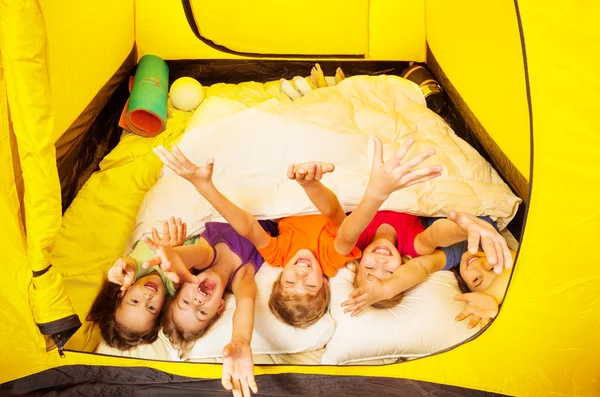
x,y
82,380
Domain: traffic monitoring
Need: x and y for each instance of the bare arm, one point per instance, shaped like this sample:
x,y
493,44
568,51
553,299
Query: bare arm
x,y
197,256
406,276
461,226
243,317
413,272
308,175
238,365
386,178
201,177
442,233
355,223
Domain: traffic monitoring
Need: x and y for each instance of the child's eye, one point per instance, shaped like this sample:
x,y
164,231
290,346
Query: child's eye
x,y
203,313
134,300
390,271
186,302
369,267
151,308
289,282
312,286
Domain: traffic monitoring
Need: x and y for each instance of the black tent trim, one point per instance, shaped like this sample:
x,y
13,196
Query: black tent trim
x,y
78,380
189,14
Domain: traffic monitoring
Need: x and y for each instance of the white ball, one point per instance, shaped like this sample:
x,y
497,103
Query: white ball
x,y
186,94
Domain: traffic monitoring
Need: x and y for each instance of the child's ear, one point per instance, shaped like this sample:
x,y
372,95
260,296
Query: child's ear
x,y
221,307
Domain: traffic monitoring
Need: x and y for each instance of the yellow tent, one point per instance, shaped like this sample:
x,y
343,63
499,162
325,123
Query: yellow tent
x,y
522,73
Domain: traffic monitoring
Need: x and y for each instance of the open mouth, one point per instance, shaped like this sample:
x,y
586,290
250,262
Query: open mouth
x,y
471,260
304,262
207,287
382,251
151,285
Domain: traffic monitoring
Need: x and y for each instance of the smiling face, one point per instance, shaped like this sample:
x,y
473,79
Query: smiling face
x,y
197,304
302,274
141,305
379,259
476,271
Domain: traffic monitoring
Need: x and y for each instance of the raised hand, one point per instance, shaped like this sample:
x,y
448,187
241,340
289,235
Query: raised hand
x,y
481,307
238,369
307,172
389,176
174,232
122,273
363,297
169,261
479,231
183,167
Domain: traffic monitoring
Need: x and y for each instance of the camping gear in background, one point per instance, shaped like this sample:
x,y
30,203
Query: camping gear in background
x,y
145,112
432,90
186,94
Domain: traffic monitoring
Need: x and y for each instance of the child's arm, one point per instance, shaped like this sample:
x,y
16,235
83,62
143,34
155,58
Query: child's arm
x,y
386,178
201,177
459,227
238,366
480,306
308,175
122,272
405,276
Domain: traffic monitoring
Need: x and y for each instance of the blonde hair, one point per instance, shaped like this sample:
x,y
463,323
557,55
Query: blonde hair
x,y
298,310
179,339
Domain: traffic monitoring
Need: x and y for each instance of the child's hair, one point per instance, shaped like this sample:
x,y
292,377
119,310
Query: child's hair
x,y
179,339
298,310
114,334
462,285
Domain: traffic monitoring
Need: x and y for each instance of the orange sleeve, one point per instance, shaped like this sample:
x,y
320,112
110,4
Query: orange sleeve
x,y
276,252
329,258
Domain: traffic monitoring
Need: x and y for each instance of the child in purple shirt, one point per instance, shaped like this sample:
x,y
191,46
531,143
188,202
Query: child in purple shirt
x,y
220,261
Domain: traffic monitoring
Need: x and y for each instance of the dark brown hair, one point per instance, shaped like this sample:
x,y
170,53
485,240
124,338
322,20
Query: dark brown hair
x,y
114,334
462,285
179,339
298,310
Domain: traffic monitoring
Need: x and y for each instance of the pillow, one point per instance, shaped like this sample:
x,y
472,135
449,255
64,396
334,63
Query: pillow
x,y
423,323
270,335
253,147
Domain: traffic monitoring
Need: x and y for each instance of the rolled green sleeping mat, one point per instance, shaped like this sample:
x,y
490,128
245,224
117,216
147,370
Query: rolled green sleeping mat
x,y
145,112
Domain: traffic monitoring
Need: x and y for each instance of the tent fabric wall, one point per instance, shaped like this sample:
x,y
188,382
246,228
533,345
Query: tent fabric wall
x,y
383,30
25,89
478,46
545,338
87,41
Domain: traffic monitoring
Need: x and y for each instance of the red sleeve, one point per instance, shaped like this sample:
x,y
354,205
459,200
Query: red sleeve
x,y
406,237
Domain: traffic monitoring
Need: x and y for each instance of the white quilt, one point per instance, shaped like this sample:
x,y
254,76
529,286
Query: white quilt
x,y
252,148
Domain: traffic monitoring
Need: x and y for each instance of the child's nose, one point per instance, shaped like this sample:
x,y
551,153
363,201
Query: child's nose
x,y
197,301
147,295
